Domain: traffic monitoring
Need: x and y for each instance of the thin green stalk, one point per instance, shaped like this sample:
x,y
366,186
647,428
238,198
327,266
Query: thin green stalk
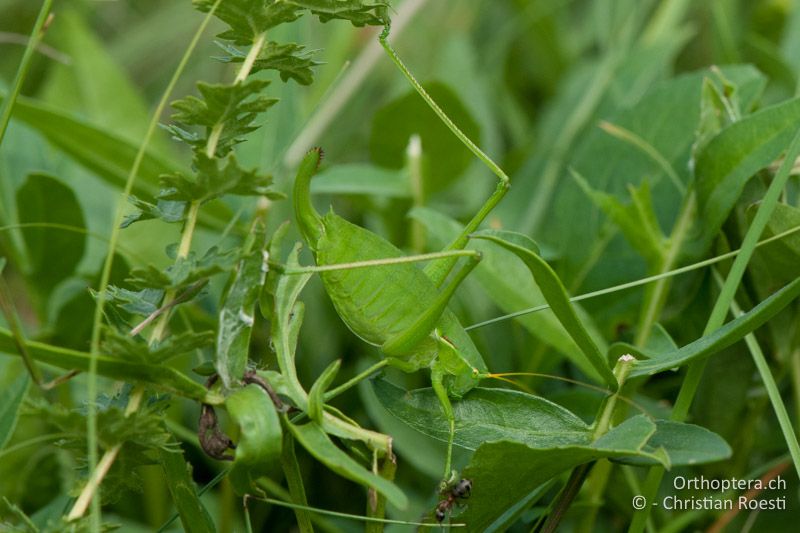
x,y
91,385
358,518
22,71
784,421
355,380
648,149
719,312
438,272
656,297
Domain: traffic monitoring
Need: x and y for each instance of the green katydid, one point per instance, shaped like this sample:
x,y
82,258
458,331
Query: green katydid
x,y
397,307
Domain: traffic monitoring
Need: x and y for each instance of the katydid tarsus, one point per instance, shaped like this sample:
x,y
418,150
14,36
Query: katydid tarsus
x,y
397,307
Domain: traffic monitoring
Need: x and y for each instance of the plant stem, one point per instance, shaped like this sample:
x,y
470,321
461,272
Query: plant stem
x,y
636,283
22,71
718,314
105,276
355,380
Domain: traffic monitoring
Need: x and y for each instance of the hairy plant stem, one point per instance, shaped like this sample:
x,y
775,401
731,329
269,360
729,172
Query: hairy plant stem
x,y
106,275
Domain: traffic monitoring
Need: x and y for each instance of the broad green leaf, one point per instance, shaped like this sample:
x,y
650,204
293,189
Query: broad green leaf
x,y
665,116
177,473
260,438
685,444
237,311
556,295
504,471
412,448
395,123
160,376
319,445
486,415
652,362
51,257
739,151
359,178
10,401
510,285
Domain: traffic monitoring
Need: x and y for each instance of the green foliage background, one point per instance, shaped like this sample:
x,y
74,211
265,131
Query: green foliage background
x,y
539,85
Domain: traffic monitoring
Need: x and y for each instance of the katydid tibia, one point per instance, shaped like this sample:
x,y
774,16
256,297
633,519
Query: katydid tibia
x,y
397,307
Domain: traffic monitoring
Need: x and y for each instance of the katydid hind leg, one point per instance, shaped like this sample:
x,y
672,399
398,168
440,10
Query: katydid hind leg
x,y
437,382
407,340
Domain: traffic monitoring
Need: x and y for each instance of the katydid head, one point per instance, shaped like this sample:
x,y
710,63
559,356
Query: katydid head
x,y
308,220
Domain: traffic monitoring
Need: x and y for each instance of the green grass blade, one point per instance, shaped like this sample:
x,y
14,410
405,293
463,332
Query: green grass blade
x,y
22,70
10,402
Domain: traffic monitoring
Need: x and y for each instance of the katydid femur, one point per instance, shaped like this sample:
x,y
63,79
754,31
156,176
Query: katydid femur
x,y
397,307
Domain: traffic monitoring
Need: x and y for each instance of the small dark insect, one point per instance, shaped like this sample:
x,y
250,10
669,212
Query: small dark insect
x,y
460,491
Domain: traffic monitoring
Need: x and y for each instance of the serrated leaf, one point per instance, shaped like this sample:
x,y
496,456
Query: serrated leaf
x,y
166,210
214,180
652,362
358,12
234,107
10,401
130,348
319,445
184,272
237,312
486,414
144,302
249,18
260,438
290,60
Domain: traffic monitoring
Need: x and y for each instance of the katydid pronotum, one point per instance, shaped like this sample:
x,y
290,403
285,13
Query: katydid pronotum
x,y
397,307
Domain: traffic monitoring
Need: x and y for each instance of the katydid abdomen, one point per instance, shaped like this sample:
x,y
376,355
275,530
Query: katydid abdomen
x,y
379,303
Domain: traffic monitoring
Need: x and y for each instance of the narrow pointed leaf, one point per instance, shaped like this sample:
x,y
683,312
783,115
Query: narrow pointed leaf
x,y
556,295
318,444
